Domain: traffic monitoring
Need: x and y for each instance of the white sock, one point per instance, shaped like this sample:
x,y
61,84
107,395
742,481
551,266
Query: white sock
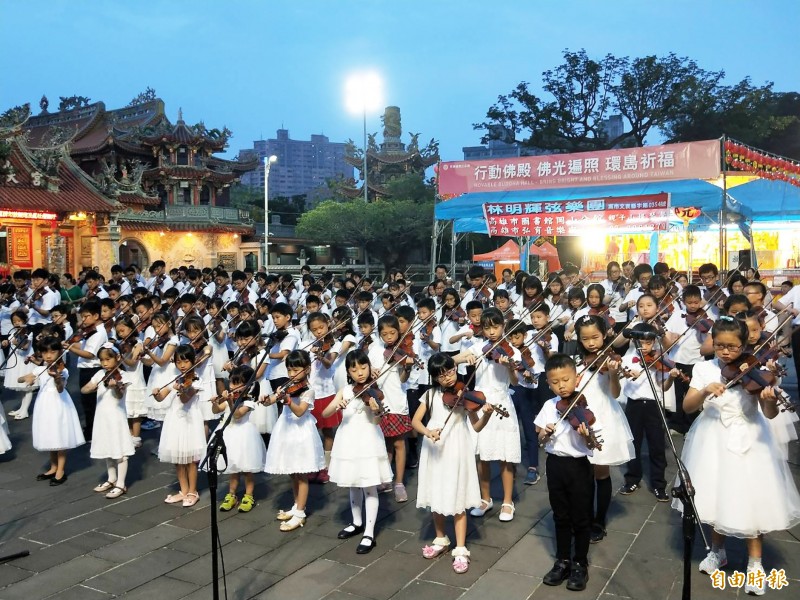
x,y
356,497
111,468
754,564
122,472
327,459
371,504
26,403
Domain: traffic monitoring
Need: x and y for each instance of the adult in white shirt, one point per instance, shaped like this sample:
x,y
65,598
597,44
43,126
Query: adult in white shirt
x,y
617,289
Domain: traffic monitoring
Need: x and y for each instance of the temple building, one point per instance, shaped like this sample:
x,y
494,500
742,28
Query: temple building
x,y
123,185
391,159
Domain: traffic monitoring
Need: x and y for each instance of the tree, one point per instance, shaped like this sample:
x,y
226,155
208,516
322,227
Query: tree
x,y
583,92
247,198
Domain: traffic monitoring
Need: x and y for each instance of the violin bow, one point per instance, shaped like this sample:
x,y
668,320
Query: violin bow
x,y
11,351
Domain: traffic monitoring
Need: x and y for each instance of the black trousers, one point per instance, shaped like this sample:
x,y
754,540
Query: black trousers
x,y
680,421
88,401
413,398
570,486
644,420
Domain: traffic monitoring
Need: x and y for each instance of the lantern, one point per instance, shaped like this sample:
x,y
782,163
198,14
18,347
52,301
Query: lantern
x,y
687,213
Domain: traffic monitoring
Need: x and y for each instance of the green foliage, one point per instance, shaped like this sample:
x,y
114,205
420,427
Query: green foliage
x,y
671,94
289,209
411,187
389,230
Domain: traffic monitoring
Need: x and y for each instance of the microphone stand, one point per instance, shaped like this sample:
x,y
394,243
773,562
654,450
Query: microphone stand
x,y
215,449
684,491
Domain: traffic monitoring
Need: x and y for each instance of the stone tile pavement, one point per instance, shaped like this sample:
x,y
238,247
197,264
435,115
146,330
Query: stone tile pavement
x,y
85,547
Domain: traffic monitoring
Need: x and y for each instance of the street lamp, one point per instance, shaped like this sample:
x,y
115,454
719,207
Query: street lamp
x,y
363,91
268,161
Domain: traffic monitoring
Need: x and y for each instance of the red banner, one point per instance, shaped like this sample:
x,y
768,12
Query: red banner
x,y
692,160
594,216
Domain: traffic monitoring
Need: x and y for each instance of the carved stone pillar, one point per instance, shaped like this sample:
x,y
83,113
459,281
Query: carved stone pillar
x,y
108,237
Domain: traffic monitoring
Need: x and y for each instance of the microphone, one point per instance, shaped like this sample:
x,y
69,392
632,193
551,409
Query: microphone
x,y
633,334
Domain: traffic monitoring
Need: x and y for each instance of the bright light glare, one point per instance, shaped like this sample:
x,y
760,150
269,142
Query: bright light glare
x,y
363,92
271,160
594,242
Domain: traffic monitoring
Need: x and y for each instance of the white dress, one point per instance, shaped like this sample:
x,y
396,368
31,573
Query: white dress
x,y
220,354
263,417
183,437
245,448
784,430
339,371
56,425
136,393
16,367
207,384
447,480
358,457
295,446
617,437
5,442
743,487
111,437
499,440
158,377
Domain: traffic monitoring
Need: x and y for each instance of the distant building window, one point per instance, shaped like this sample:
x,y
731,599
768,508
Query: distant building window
x,y
183,155
205,195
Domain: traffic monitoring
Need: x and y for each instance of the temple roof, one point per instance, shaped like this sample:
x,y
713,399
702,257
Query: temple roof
x,y
52,183
184,172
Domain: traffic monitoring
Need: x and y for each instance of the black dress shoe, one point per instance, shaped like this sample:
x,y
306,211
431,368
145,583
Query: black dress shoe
x,y
45,476
578,577
363,548
54,481
597,534
350,531
558,573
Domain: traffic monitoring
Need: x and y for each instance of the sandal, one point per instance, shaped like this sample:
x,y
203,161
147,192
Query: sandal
x,y
285,515
298,520
191,499
104,487
116,492
460,560
439,546
175,498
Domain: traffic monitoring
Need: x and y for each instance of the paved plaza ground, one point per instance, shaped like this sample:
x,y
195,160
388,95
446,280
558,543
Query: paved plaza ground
x,y
85,547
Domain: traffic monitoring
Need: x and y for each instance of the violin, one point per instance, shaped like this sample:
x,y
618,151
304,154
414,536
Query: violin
x,y
765,353
427,331
590,360
38,294
527,362
497,351
602,311
199,343
472,401
367,392
699,320
402,351
477,330
291,388
142,325
114,380
365,343
667,305
184,383
82,333
746,371
456,314
55,369
661,363
575,410
323,345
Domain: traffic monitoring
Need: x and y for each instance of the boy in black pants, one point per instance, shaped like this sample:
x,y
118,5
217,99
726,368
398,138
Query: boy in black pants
x,y
570,479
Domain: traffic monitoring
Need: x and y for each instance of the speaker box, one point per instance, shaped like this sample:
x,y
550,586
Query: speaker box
x,y
745,261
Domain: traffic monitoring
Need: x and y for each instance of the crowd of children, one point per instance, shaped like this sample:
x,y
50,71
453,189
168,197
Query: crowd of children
x,y
354,385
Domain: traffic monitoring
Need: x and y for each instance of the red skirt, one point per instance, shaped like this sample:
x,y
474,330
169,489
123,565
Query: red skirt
x,y
320,405
394,425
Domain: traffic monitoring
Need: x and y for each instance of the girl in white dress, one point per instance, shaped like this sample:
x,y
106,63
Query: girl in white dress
x,y
245,448
448,480
5,442
295,448
601,393
217,330
499,441
18,347
195,329
111,438
156,351
347,337
743,487
136,393
358,457
56,427
183,440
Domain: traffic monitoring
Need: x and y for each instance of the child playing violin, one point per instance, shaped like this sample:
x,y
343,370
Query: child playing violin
x,y
111,438
246,452
157,351
295,448
325,349
601,387
358,458
56,427
195,331
448,482
643,414
730,438
183,440
19,348
136,393
569,473
393,366
451,318
495,371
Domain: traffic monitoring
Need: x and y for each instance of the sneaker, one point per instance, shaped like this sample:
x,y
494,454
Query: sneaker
x,y
322,477
713,562
661,495
384,488
400,494
559,572
413,464
247,503
750,587
532,477
151,424
229,502
578,576
598,532
628,488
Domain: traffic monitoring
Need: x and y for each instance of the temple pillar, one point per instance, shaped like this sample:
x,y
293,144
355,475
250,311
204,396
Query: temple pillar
x,y
108,237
